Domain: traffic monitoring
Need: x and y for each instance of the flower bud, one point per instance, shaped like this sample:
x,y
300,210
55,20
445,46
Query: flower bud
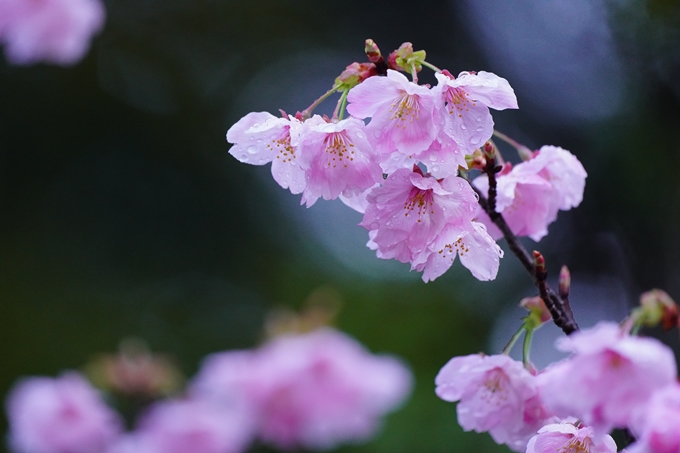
x,y
657,307
372,51
537,309
353,75
405,58
564,282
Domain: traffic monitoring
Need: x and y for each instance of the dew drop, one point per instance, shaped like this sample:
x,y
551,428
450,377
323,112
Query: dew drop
x,y
375,225
244,157
463,126
252,149
435,168
433,157
360,134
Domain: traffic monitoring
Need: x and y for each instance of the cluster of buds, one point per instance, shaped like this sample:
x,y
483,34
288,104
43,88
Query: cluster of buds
x,y
401,158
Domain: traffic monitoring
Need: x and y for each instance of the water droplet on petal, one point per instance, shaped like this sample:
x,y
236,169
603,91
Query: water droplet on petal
x,y
375,225
433,157
463,126
360,134
435,168
252,149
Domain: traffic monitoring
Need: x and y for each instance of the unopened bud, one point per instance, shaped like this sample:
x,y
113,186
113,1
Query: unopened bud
x,y
539,262
565,282
353,75
405,58
476,160
657,307
372,51
489,150
536,308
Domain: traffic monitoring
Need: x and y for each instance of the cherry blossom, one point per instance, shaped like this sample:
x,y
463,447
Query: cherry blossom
x,y
194,426
314,390
465,101
51,31
609,376
402,113
531,193
338,159
657,425
496,394
567,438
260,138
61,415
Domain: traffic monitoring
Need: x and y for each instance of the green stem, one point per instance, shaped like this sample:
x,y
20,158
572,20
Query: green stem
x,y
527,346
306,113
339,112
513,340
431,66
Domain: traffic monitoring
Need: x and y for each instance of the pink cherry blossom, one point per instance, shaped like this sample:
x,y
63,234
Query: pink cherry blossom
x,y
464,103
51,31
496,394
442,159
531,193
60,415
609,376
477,250
523,199
313,391
402,113
195,426
338,159
567,438
260,138
657,425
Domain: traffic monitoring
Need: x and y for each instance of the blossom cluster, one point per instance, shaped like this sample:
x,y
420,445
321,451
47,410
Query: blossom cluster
x,y
311,391
611,380
51,31
401,159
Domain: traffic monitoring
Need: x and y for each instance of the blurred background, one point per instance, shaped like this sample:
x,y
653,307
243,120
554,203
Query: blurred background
x,y
122,214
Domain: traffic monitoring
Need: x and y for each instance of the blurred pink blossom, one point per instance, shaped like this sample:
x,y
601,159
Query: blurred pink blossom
x,y
60,415
194,426
51,31
608,378
567,438
657,425
313,390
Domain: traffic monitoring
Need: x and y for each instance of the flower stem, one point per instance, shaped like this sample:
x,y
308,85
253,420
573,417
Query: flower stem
x,y
431,66
414,73
526,347
339,112
513,340
306,113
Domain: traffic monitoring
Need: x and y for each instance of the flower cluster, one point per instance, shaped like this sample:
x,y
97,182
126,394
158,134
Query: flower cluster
x,y
311,391
612,380
401,159
51,31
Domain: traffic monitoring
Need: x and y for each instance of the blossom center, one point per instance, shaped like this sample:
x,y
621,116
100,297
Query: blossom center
x,y
576,445
286,151
457,101
339,149
406,109
419,201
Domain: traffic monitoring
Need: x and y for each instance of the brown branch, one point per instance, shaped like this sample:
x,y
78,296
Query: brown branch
x,y
560,311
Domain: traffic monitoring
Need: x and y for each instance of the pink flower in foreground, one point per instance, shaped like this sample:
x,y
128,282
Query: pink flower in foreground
x,y
313,391
567,438
609,376
53,31
260,138
195,426
61,415
531,193
464,103
496,394
657,425
402,113
338,159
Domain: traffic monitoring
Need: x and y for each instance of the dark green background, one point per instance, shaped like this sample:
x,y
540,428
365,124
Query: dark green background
x,y
121,213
